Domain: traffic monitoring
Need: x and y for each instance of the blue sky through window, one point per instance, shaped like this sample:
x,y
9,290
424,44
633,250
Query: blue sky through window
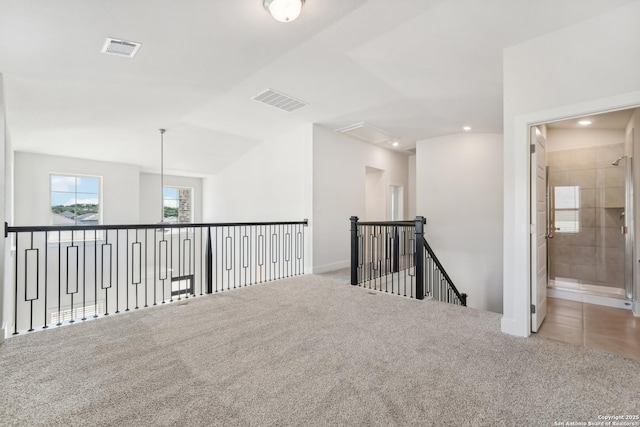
x,y
73,197
170,197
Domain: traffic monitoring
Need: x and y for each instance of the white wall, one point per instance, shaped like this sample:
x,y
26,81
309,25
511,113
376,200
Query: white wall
x,y
150,195
375,195
272,182
3,211
570,139
459,191
411,193
120,187
589,67
339,171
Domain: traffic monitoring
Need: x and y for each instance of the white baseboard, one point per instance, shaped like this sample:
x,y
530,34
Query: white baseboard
x,y
511,327
330,267
2,332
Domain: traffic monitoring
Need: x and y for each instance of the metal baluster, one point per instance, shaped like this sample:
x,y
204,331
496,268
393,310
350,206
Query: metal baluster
x,y
117,271
26,281
15,294
179,268
46,276
76,276
106,289
127,272
84,274
156,278
95,272
201,263
59,275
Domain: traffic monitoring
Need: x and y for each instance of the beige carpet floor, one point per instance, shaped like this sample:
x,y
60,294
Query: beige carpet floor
x,y
306,351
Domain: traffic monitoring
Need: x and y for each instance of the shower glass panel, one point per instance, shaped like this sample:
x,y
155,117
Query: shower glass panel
x,y
588,198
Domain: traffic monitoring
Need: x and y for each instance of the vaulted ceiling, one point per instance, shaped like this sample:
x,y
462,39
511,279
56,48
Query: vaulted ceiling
x,y
414,68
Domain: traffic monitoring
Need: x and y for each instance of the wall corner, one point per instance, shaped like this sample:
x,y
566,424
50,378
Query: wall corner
x,y
512,327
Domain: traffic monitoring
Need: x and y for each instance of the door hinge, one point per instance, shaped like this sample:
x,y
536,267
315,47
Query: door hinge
x,y
533,309
533,148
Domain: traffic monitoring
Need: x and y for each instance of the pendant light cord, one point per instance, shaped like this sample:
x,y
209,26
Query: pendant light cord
x,y
162,131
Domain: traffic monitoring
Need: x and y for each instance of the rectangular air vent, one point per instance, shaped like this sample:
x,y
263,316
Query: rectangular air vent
x,y
120,47
367,133
279,100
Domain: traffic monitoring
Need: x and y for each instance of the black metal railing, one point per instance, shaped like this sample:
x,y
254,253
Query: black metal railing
x,y
63,274
385,257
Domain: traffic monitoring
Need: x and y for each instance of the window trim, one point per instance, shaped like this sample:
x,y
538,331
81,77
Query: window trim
x,y
71,175
191,202
576,209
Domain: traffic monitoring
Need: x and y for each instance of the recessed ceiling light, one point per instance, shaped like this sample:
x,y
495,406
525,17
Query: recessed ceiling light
x,y
395,143
467,128
584,122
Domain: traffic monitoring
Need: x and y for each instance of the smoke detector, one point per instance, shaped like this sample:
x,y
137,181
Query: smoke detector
x,y
120,47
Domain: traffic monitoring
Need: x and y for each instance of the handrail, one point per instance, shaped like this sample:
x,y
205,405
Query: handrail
x,y
21,228
388,223
124,267
387,254
461,296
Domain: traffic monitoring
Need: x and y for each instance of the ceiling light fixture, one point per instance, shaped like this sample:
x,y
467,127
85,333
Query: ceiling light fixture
x,y
467,128
395,143
584,122
283,10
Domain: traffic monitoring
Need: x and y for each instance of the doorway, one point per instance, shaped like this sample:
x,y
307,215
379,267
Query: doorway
x,y
589,228
375,193
591,208
395,203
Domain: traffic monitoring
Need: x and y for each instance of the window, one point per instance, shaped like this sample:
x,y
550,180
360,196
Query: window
x,y
177,205
75,200
567,209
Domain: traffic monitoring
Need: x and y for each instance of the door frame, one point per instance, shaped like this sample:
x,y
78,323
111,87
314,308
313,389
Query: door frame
x,y
516,319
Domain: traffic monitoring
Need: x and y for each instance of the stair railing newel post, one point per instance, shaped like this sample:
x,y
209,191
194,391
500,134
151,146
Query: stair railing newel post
x,y
209,257
354,250
396,250
419,256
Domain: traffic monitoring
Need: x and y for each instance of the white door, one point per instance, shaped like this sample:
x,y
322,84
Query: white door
x,y
539,232
395,203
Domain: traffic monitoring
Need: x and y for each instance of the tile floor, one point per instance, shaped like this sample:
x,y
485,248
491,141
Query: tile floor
x,y
613,330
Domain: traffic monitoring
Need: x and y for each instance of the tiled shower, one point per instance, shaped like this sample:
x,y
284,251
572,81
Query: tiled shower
x,y
587,205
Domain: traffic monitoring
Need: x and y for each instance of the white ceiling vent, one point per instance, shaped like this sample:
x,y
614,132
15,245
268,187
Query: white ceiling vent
x,y
367,133
279,100
120,47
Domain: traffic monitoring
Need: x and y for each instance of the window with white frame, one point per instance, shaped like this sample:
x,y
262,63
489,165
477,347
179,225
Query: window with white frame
x,y
75,200
177,202
567,209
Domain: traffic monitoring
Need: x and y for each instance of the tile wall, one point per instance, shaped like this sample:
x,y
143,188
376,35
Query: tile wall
x,y
595,253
